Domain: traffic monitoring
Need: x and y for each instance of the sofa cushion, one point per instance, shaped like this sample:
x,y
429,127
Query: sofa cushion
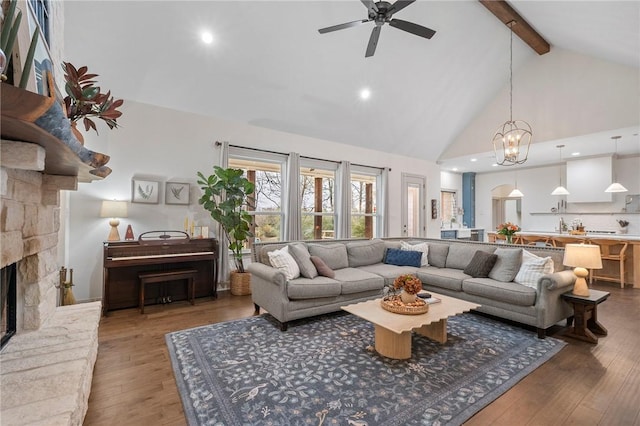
x,y
334,255
532,269
461,254
450,279
301,255
322,267
507,292
305,288
281,259
421,247
355,280
507,265
403,258
389,272
361,253
438,254
481,264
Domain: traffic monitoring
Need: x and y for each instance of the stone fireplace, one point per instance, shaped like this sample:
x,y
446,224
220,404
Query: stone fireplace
x,y
47,366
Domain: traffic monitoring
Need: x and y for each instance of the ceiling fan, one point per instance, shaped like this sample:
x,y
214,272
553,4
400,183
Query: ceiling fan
x,y
381,13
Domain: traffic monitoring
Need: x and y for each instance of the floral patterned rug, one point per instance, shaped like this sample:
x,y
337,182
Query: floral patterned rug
x,y
324,371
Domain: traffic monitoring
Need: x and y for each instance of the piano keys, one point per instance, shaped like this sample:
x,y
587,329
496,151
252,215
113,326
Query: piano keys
x,y
124,260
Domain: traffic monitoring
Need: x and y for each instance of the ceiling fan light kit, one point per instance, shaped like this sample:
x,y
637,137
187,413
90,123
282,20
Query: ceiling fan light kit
x,y
512,140
381,13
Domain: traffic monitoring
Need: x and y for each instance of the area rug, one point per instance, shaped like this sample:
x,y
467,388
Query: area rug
x,y
325,371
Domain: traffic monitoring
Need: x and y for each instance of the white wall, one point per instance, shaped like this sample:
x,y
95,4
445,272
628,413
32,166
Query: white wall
x,y
165,145
560,94
537,184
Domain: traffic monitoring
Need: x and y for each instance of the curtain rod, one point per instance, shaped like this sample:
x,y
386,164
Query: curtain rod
x,y
218,143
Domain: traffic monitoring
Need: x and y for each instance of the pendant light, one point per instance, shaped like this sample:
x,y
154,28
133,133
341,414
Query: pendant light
x,y
516,192
615,186
560,190
512,140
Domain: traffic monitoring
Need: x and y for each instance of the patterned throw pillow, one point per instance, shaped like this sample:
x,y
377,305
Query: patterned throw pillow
x,y
322,267
403,258
281,259
533,267
481,264
421,247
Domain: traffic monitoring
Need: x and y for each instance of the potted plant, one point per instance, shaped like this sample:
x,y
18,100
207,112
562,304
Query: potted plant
x,y
85,100
226,196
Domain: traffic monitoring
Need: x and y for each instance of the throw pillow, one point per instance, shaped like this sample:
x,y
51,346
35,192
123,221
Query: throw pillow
x,y
403,258
481,264
507,265
301,255
421,247
281,259
533,267
322,267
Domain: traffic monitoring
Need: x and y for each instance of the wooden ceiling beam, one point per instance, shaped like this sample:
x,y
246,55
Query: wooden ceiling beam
x,y
505,13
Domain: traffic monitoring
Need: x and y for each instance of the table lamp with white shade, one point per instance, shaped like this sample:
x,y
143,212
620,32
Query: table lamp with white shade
x,y
115,210
582,257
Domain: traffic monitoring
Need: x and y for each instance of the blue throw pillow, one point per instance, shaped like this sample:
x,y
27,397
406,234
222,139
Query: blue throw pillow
x,y
403,257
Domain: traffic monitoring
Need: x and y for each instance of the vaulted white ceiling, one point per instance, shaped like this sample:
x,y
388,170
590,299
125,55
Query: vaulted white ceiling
x,y
268,66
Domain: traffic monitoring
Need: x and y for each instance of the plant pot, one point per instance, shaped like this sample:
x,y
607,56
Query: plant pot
x,y
240,283
408,297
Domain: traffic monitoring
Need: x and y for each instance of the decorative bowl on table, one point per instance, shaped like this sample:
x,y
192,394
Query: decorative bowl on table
x,y
395,304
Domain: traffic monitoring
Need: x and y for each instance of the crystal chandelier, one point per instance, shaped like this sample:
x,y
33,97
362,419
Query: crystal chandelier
x,y
512,139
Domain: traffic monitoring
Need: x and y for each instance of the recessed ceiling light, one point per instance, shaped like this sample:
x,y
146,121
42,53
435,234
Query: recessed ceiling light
x,y
494,165
575,154
206,37
455,169
365,93
474,160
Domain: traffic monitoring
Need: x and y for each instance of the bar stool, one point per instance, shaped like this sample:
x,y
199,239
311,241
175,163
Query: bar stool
x,y
563,241
536,240
613,250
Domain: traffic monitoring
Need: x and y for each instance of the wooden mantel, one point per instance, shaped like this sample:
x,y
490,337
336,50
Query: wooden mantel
x,y
28,117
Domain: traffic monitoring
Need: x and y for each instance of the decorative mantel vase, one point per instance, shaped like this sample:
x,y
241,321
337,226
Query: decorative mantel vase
x,y
408,297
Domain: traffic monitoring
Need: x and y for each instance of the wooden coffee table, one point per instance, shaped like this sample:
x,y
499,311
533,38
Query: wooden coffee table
x,y
393,331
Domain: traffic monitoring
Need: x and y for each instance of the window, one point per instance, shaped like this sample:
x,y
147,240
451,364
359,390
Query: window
x,y
364,202
266,174
317,195
449,206
41,12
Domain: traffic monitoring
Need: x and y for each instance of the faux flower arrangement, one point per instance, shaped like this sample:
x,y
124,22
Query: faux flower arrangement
x,y
508,228
623,223
409,283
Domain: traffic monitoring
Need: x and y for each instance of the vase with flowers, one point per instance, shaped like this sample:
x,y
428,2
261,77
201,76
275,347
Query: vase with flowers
x,y
409,286
508,229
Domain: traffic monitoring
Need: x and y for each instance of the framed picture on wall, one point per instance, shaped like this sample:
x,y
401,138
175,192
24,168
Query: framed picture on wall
x,y
144,191
176,193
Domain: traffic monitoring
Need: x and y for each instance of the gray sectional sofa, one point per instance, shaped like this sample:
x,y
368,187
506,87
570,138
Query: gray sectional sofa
x,y
361,273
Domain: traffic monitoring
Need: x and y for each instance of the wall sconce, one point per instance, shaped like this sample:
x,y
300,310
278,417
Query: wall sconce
x,y
582,257
115,210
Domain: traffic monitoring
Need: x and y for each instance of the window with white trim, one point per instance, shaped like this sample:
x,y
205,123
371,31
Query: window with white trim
x,y
317,195
365,215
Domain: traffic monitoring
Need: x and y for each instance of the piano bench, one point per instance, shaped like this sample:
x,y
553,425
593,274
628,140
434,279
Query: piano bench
x,y
155,277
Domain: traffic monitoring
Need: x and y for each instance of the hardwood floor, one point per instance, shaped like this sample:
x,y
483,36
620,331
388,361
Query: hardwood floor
x,y
585,384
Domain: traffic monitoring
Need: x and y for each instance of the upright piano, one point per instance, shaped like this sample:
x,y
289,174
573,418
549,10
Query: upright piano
x,y
124,260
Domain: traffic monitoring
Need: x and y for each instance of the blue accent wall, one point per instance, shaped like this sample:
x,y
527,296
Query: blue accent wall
x,y
469,199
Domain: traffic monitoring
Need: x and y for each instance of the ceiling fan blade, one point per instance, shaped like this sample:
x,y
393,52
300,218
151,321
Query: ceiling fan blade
x,y
370,5
342,26
398,6
412,28
373,41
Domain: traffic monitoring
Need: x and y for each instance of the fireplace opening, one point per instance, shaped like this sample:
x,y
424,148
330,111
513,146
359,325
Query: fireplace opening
x,y
8,303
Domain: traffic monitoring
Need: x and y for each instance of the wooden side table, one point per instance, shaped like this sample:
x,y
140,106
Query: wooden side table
x,y
585,315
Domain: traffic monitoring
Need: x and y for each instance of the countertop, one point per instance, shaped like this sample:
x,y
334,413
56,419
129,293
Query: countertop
x,y
624,237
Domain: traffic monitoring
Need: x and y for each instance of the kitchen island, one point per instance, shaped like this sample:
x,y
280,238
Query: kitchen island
x,y
632,264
